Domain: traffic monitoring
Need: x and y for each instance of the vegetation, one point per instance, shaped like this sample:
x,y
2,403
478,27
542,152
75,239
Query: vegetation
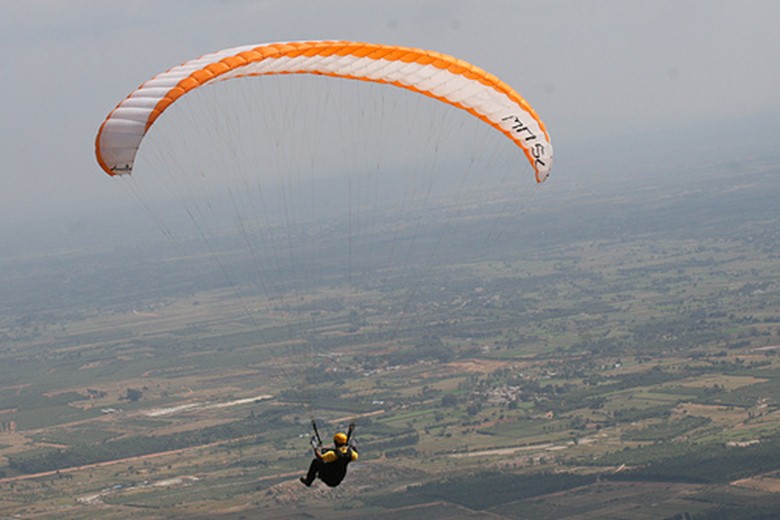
x,y
602,363
485,490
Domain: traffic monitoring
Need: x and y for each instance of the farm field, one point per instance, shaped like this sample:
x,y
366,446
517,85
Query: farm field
x,y
624,369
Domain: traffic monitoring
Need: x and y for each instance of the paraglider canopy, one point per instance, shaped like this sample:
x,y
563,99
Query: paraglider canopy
x,y
445,78
320,208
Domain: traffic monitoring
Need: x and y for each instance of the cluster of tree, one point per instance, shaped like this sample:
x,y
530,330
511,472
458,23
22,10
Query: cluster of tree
x,y
78,455
633,414
565,398
667,430
662,335
426,348
485,490
134,394
409,438
714,463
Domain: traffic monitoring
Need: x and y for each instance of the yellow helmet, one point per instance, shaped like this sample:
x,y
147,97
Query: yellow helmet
x,y
340,439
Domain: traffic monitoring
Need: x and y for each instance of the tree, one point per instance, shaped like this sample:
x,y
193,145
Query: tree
x,y
449,400
133,394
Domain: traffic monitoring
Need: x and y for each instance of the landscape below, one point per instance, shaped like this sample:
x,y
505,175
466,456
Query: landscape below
x,y
618,357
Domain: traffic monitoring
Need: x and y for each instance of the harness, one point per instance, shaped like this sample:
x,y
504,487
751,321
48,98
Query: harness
x,y
345,454
316,440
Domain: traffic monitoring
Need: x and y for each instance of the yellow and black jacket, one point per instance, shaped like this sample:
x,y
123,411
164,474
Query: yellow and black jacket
x,y
332,465
345,453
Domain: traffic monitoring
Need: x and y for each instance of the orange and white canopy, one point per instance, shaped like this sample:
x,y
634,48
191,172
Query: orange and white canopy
x,y
439,76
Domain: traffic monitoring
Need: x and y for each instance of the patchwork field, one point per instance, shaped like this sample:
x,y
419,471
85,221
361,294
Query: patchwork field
x,y
627,371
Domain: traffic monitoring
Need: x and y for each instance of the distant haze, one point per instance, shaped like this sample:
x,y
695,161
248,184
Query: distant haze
x,y
593,70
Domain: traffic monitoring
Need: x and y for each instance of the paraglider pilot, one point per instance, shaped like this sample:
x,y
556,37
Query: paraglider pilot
x,y
331,465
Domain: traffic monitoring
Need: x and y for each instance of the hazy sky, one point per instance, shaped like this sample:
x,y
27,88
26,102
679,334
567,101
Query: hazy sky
x,y
592,69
